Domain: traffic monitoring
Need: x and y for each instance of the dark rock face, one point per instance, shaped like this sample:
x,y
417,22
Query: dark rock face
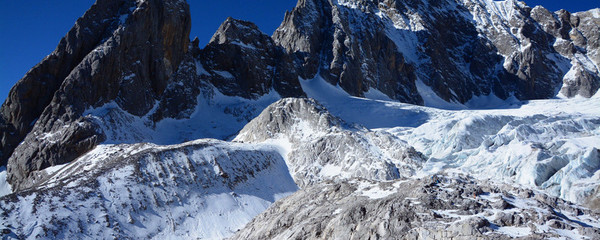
x,y
458,49
137,55
145,64
180,96
30,96
131,67
347,47
243,61
582,32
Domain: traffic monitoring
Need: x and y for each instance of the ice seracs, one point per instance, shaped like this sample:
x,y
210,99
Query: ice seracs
x,y
114,148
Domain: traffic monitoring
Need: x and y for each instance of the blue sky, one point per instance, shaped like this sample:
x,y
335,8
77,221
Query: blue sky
x,y
30,30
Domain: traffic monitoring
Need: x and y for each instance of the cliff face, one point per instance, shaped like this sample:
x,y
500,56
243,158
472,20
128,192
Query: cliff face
x,y
133,61
30,96
106,131
458,48
121,51
245,62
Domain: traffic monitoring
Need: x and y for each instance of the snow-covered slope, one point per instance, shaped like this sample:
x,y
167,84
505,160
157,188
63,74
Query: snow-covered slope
x,y
115,153
545,144
215,116
203,189
211,188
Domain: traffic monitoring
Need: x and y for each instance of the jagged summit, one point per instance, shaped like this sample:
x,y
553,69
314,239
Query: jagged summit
x,y
233,30
322,146
109,131
127,56
449,49
32,94
243,61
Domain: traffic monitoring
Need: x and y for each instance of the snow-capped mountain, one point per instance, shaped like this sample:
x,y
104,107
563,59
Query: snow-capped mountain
x,y
460,49
130,130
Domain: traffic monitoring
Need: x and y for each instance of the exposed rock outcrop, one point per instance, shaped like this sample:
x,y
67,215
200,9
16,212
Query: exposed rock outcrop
x,y
131,64
348,48
458,48
437,207
32,94
243,61
324,147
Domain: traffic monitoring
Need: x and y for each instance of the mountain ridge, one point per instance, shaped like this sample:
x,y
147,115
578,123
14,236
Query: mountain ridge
x,y
406,80
293,104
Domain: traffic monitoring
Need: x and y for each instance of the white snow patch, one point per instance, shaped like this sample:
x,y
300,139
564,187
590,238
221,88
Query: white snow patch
x,y
514,232
331,170
215,116
224,74
374,191
349,4
5,187
376,95
244,45
200,69
595,12
492,102
431,99
54,169
504,9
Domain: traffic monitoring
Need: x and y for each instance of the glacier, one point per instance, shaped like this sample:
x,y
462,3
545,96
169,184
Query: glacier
x,y
167,191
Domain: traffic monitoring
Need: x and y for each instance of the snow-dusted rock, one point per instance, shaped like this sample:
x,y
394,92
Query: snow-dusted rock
x,y
243,61
136,97
460,49
321,146
436,207
201,189
130,61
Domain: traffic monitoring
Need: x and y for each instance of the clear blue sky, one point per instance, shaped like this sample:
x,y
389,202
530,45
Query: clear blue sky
x,y
31,29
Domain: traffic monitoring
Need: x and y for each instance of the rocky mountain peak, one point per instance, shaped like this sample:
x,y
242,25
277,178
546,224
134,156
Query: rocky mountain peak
x,y
119,51
283,116
34,92
117,129
246,62
457,50
237,31
321,143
